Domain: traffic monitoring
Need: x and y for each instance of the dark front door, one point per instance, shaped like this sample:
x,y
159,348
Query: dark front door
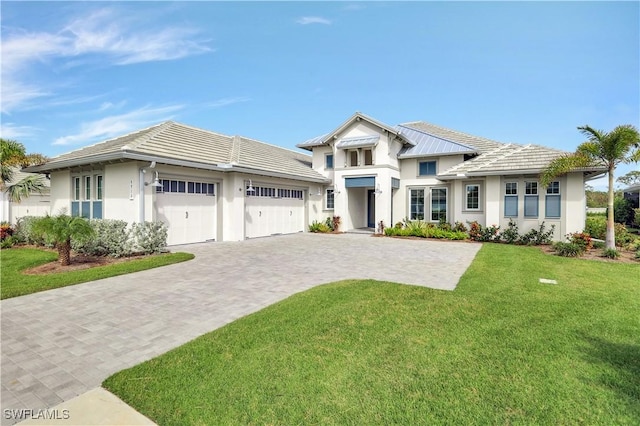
x,y
371,208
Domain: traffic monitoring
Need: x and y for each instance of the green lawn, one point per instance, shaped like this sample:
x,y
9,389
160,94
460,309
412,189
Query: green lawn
x,y
14,283
500,349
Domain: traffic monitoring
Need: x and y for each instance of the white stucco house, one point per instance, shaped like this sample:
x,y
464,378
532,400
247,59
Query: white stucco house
x,y
36,204
212,187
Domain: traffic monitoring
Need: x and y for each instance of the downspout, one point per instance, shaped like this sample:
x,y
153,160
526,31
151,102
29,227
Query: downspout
x,y
141,195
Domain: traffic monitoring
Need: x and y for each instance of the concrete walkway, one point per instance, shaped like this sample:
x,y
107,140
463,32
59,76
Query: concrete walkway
x,y
61,343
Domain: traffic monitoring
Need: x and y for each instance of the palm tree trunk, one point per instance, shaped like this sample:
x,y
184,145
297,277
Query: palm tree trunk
x,y
611,237
64,253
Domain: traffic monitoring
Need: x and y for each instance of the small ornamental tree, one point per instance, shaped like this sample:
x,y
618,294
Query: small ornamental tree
x,y
61,229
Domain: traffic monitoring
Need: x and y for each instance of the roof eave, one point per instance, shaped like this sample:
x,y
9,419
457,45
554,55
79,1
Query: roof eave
x,y
404,156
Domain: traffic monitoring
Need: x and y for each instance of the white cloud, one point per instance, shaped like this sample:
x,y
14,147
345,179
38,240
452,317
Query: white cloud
x,y
306,20
104,33
218,103
116,125
11,131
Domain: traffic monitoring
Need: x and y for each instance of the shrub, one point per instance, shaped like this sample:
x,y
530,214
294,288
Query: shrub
x,y
623,237
636,218
596,226
24,232
622,210
319,227
568,249
460,227
582,239
444,225
6,231
611,253
112,238
538,236
336,223
599,244
149,237
510,235
7,242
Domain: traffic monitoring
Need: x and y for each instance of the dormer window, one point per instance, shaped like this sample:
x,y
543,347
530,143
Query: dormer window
x,y
353,158
368,157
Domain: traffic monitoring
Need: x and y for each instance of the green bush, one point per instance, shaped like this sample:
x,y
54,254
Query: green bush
x,y
149,237
622,210
419,228
112,238
316,226
483,234
636,218
538,236
583,239
510,235
611,253
24,232
568,249
596,226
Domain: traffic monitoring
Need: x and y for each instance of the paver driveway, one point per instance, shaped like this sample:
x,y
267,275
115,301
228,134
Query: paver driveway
x,y
60,343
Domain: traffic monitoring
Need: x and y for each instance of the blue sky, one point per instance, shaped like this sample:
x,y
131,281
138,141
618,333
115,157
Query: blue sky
x,y
76,73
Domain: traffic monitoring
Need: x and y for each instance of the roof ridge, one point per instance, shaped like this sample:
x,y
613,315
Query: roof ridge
x,y
234,156
147,136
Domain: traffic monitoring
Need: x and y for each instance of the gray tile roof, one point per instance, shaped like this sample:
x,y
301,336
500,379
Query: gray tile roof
x,y
175,143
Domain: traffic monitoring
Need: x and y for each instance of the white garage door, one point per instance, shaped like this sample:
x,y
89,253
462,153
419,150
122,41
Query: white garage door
x,y
272,210
189,210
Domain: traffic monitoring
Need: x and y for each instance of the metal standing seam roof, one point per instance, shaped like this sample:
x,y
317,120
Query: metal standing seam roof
x,y
478,143
426,144
174,142
358,142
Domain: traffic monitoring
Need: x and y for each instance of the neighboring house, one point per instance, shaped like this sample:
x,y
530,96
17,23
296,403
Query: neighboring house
x,y
632,194
36,204
421,171
208,186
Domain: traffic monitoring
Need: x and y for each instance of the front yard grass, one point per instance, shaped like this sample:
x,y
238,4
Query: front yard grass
x,y
14,283
500,349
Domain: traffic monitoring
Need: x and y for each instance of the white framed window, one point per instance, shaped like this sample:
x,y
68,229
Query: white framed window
x,y
330,199
472,198
426,168
438,204
511,199
328,161
531,199
99,187
416,204
87,187
353,158
76,188
552,203
368,157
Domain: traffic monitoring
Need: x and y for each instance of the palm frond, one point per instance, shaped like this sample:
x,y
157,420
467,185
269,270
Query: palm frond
x,y
25,187
565,164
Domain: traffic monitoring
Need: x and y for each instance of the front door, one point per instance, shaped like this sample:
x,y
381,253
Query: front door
x,y
371,208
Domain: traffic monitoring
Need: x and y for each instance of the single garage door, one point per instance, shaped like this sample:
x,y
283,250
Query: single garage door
x,y
273,210
189,210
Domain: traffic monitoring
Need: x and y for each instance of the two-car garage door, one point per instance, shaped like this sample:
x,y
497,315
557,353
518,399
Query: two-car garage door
x,y
271,210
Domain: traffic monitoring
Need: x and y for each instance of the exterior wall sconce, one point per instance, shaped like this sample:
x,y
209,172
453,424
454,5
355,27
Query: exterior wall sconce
x,y
335,189
378,191
250,189
156,182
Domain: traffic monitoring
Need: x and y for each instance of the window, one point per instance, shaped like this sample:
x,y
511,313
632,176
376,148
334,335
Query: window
x,y
368,157
531,199
328,161
473,197
511,199
76,188
438,204
87,202
417,204
189,187
353,155
98,187
427,168
552,200
87,187
330,199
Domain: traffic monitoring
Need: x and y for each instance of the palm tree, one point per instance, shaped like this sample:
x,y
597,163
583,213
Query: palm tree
x,y
61,229
608,149
13,156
